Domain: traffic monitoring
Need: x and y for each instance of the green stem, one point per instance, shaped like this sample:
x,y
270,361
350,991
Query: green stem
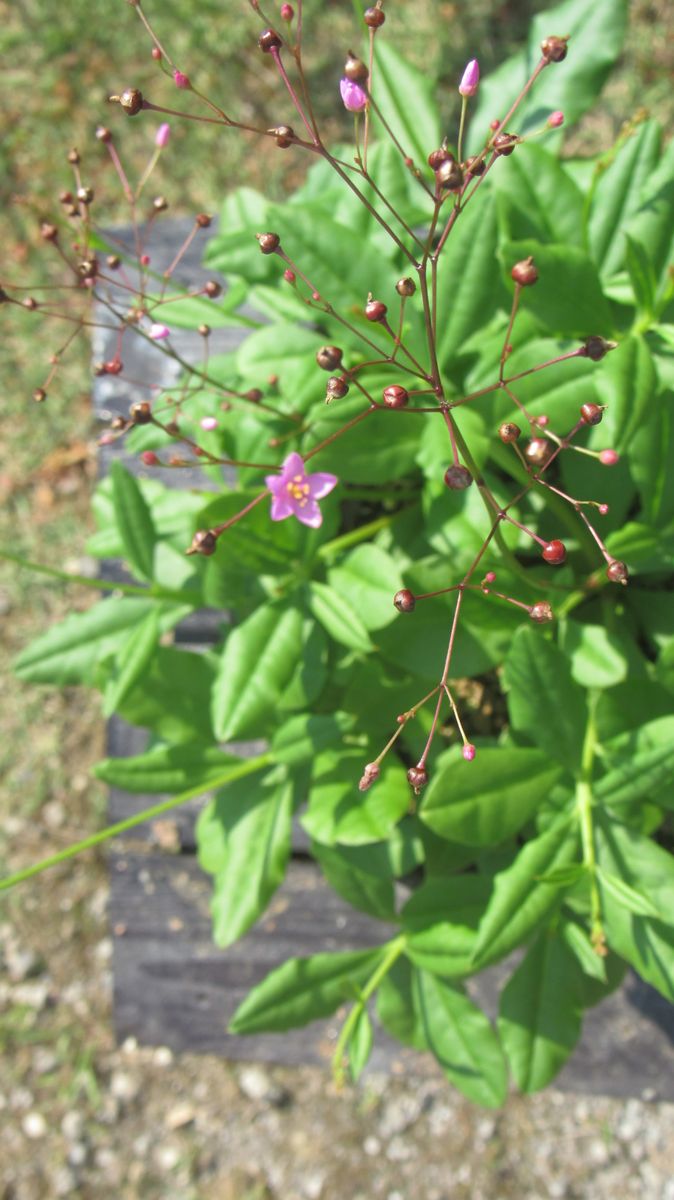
x,y
248,767
330,549
393,950
584,805
154,592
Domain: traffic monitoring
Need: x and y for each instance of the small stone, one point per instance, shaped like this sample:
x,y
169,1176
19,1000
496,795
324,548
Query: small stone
x,y
20,1098
163,1056
400,1150
54,814
72,1125
124,1087
398,1115
34,1125
372,1146
78,1154
44,1061
33,995
313,1184
63,1182
179,1116
22,964
256,1084
167,1157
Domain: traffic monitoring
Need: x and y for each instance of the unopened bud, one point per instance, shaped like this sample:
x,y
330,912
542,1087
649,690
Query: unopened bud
x,y
609,458
140,413
204,542
85,195
406,286
554,49
103,134
524,273
131,100
371,773
509,432
181,80
162,136
595,347
555,119
418,778
468,751
287,12
269,40
268,242
504,143
354,97
541,612
395,396
203,220
617,572
149,458
470,79
374,17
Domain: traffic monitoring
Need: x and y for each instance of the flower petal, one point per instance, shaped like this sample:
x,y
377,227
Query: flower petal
x,y
281,507
310,514
293,465
321,484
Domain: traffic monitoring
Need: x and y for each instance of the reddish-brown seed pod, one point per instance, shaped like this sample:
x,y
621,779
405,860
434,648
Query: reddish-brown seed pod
x,y
131,100
355,69
329,357
375,310
437,157
371,773
617,572
537,451
474,165
269,40
405,600
524,273
540,612
395,396
458,478
254,395
509,432
48,231
596,347
73,156
113,261
284,135
591,414
103,134
87,268
203,220
114,366
268,242
140,413
204,330
30,303
336,388
554,49
66,197
118,423
417,777
504,143
212,289
149,458
449,175
374,17
204,542
85,195
406,286
160,203
554,552
39,395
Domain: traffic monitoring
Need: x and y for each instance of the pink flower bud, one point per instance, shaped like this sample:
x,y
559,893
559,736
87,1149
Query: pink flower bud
x,y
490,577
470,79
555,119
287,12
157,332
609,458
180,80
149,458
209,423
353,95
162,135
144,260
468,751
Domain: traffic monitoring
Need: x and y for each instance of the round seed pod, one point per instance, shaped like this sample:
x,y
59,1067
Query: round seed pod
x,y
329,358
375,310
617,572
405,600
509,432
458,478
374,17
591,414
355,69
203,542
504,143
418,778
336,388
269,40
524,273
537,451
554,552
131,100
268,242
554,49
541,612
140,413
395,396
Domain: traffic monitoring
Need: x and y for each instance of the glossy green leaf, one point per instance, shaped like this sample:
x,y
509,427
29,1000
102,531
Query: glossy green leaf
x,y
626,383
540,1012
536,197
134,521
360,1045
338,617
577,940
131,661
567,297
302,990
520,901
652,224
642,768
71,651
486,801
597,33
165,768
361,875
173,700
368,579
255,847
406,99
544,702
598,657
395,1005
616,191
441,919
301,738
257,663
629,897
642,276
461,1038
468,293
339,812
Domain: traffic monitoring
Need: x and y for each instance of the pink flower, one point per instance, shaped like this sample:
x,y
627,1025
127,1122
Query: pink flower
x,y
208,423
555,119
162,135
295,494
180,80
470,79
353,95
157,332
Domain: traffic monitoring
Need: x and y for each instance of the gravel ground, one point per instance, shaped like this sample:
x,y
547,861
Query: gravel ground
x,y
84,1118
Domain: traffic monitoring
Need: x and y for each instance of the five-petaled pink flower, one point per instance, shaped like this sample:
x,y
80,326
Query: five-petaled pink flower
x,y
295,494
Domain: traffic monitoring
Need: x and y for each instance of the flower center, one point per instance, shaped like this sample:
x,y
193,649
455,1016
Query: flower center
x,y
298,490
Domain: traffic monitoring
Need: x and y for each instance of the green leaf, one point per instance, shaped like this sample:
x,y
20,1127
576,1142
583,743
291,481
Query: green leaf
x,y
165,768
174,697
395,1006
134,521
461,1038
616,193
338,812
628,896
72,651
254,842
130,663
368,579
301,738
468,293
626,383
360,1045
361,875
652,224
338,617
598,658
544,702
540,1012
597,33
486,801
258,661
406,100
646,943
520,901
642,276
568,296
536,197
593,964
644,770
302,990
441,919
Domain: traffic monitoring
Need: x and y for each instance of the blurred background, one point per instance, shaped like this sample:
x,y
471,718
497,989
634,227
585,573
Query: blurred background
x,y
79,1116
